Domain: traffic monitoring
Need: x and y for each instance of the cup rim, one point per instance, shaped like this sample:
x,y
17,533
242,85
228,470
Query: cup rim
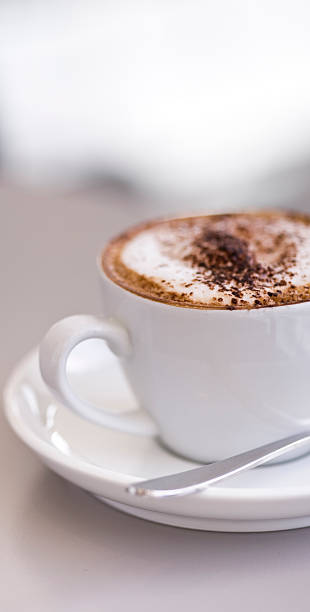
x,y
161,303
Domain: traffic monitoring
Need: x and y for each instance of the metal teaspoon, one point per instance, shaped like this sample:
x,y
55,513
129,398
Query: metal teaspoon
x,y
192,481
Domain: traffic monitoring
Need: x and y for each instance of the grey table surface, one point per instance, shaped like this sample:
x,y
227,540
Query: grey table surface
x,y
60,548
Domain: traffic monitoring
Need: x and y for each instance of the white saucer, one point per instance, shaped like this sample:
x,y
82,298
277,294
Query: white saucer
x,y
104,462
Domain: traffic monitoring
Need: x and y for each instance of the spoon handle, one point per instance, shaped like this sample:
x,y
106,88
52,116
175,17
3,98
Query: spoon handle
x,y
191,481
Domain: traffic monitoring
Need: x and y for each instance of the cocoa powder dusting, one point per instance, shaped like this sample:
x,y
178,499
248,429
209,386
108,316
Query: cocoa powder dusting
x,y
224,257
228,261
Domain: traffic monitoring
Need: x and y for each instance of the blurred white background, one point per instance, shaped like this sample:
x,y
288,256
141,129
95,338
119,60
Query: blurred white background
x,y
183,99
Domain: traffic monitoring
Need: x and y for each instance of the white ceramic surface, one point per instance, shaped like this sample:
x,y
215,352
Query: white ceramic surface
x,y
215,382
104,461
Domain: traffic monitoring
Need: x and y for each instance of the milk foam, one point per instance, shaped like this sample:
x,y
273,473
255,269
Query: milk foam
x,y
157,253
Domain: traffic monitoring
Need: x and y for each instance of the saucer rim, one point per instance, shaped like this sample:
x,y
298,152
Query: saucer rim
x,y
207,523
53,457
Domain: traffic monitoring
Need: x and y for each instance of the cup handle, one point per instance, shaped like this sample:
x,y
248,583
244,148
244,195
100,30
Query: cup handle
x,y
54,352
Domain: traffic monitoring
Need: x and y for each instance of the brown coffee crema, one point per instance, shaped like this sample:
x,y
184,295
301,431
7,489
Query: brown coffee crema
x,y
228,261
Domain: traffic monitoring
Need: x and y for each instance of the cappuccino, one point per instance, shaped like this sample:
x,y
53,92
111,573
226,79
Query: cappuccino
x,y
228,261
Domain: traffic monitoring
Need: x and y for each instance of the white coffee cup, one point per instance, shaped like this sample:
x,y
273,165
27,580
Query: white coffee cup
x,y
214,382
